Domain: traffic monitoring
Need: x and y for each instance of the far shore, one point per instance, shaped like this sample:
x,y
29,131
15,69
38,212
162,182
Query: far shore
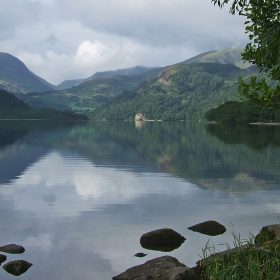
x,y
265,123
23,119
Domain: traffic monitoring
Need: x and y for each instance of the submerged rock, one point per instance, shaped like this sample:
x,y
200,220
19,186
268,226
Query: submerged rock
x,y
164,240
211,228
268,233
17,267
140,255
163,268
12,249
2,258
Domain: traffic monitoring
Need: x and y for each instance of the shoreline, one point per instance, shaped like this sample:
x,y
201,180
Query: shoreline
x,y
265,123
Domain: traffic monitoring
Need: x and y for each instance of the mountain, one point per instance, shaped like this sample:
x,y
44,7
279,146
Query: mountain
x,y
186,90
122,72
102,75
68,84
181,92
226,56
15,76
94,92
13,108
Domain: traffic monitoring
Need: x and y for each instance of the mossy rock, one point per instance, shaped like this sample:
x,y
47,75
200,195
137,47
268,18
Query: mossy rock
x,y
268,233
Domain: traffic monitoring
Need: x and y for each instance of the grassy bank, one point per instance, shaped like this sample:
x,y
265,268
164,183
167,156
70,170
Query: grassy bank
x,y
245,261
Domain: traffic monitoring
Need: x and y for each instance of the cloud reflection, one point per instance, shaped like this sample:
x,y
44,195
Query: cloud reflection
x,y
58,183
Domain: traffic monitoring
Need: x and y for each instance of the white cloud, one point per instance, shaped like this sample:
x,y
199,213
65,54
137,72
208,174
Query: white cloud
x,y
93,53
73,39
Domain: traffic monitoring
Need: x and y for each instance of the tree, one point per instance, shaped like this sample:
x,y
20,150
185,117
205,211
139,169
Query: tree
x,y
263,28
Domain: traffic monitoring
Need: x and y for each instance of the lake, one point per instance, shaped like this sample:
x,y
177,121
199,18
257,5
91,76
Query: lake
x,y
79,196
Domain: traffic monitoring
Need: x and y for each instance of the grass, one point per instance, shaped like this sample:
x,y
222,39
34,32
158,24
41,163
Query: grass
x,y
245,261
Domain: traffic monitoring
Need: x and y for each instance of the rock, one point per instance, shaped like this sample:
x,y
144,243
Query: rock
x,y
228,254
211,228
164,240
140,255
268,233
2,258
270,245
17,267
12,249
163,268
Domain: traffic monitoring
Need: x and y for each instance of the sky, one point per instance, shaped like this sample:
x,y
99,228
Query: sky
x,y
70,39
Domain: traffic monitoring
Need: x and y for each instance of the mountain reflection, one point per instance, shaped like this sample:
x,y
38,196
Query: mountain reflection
x,y
235,159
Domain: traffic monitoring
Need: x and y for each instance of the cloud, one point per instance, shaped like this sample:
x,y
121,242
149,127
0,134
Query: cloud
x,y
93,53
87,36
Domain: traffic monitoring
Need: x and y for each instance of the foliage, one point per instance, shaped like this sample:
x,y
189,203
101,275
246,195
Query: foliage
x,y
13,108
245,263
263,28
91,94
181,92
242,112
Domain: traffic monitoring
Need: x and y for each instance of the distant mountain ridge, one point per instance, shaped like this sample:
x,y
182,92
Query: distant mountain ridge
x,y
68,84
226,56
182,91
16,77
122,72
95,91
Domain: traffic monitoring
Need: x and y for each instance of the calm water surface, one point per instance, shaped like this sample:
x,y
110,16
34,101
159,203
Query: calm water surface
x,y
79,196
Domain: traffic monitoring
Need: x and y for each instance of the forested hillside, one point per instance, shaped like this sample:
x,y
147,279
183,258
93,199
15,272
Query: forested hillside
x,y
182,91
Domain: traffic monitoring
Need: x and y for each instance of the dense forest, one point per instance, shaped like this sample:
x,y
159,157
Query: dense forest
x,y
181,92
243,112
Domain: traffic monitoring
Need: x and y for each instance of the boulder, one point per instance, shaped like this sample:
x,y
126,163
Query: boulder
x,y
164,240
17,267
3,258
12,249
140,255
268,233
211,228
163,268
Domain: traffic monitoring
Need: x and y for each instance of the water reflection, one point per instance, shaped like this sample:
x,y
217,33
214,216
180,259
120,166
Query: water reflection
x,y
243,158
80,196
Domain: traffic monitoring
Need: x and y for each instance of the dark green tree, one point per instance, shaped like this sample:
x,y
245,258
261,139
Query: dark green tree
x,y
263,28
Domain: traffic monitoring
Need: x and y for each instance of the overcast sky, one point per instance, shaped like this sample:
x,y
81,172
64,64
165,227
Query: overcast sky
x,y
66,39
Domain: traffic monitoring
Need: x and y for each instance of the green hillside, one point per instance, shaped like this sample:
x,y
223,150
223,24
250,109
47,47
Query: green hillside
x,y
15,76
90,94
13,108
183,91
